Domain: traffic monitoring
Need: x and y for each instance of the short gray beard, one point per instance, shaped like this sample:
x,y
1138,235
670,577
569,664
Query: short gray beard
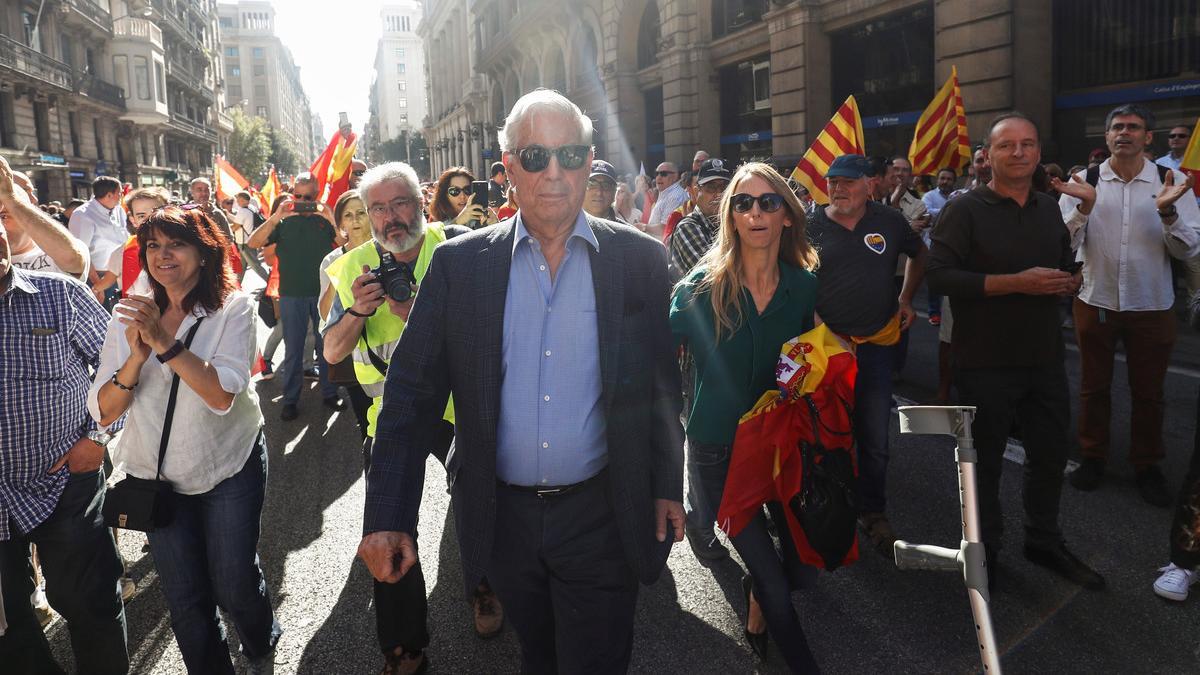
x,y
410,240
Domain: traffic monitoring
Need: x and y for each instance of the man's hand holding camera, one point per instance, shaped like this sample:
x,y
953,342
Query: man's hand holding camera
x,y
369,294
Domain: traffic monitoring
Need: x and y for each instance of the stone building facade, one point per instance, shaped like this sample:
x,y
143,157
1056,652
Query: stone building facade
x,y
397,98
126,88
759,78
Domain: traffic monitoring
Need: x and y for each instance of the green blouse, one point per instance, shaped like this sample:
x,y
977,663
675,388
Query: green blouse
x,y
732,374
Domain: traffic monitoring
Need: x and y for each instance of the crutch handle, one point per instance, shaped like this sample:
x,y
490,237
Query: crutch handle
x,y
927,557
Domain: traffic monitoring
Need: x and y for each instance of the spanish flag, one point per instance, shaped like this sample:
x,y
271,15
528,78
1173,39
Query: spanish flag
x,y
226,180
332,168
941,139
843,135
1191,160
270,190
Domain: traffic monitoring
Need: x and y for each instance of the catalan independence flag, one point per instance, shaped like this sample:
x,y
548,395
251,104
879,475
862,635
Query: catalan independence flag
x,y
843,135
332,168
226,180
1191,160
941,139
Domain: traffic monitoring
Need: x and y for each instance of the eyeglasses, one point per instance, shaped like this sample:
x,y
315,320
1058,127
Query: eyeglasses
x,y
455,191
663,174
357,172
601,185
769,202
1125,126
535,158
1177,135
394,206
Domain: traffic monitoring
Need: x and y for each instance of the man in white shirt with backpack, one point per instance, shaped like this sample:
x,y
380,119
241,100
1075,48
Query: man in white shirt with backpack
x,y
1126,229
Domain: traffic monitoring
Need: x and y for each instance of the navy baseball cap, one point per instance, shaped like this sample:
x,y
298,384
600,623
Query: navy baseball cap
x,y
850,166
603,168
714,168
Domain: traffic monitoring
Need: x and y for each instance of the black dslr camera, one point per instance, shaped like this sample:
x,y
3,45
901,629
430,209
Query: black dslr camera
x,y
396,277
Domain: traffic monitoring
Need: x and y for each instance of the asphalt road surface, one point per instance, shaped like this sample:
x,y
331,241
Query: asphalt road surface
x,y
868,618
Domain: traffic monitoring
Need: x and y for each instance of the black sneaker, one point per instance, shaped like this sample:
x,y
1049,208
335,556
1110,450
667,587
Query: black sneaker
x,y
1062,562
334,403
1088,475
289,412
312,373
1152,485
705,545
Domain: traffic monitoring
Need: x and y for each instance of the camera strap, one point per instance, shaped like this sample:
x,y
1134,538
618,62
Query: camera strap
x,y
376,360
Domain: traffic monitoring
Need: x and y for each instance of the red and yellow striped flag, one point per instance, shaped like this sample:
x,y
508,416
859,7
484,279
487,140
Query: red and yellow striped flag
x,y
226,180
941,139
842,136
332,168
270,190
1190,164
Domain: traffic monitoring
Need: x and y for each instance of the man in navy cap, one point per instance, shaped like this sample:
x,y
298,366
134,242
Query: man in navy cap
x,y
601,190
860,241
697,231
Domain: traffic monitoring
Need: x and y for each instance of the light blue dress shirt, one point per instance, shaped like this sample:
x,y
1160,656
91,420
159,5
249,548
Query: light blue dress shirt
x,y
552,428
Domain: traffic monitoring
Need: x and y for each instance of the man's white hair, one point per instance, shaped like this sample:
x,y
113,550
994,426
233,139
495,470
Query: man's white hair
x,y
385,173
517,124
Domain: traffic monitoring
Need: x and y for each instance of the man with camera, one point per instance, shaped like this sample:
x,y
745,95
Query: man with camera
x,y
303,232
375,285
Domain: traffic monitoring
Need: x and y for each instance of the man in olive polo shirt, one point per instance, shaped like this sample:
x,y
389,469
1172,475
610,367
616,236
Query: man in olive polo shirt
x,y
859,241
302,238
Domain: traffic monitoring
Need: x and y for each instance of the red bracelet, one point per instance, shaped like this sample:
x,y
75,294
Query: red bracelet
x,y
171,353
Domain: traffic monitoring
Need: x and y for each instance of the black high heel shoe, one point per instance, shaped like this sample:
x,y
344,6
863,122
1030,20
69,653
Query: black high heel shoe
x,y
758,641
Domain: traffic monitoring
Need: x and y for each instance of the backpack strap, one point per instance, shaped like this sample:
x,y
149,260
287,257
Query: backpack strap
x,y
1093,175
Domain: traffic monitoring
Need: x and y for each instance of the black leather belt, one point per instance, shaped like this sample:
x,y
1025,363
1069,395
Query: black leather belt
x,y
545,491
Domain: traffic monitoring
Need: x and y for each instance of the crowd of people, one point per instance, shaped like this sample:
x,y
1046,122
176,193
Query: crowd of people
x,y
568,346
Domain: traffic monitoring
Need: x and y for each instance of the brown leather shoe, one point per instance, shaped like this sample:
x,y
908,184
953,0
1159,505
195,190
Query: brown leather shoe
x,y
489,615
878,531
400,662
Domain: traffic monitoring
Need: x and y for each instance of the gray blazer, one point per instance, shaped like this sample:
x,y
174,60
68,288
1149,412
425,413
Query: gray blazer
x,y
453,344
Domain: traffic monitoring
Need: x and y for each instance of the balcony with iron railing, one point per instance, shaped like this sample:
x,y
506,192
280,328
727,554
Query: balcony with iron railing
x,y
138,29
32,63
87,13
182,123
175,18
96,88
194,83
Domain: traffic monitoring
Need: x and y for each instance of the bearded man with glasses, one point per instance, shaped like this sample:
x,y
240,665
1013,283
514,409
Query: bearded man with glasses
x,y
303,231
550,330
860,241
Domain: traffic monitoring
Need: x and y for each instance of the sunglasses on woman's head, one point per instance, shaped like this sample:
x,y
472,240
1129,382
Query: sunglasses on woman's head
x,y
535,158
455,191
769,202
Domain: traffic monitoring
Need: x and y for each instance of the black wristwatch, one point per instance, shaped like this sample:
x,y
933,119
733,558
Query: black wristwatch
x,y
1169,212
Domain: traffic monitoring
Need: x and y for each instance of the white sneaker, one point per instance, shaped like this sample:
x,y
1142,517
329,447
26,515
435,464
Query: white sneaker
x,y
1174,582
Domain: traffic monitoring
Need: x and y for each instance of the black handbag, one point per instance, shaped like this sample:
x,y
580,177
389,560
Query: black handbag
x,y
141,504
827,504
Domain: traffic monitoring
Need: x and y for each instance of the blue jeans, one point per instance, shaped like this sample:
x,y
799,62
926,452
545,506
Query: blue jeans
x,y
82,570
776,571
935,303
872,420
706,468
208,557
297,314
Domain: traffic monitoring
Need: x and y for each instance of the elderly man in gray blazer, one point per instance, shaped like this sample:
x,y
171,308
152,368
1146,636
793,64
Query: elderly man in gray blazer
x,y
550,330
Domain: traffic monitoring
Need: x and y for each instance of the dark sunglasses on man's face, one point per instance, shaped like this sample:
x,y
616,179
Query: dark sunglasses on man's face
x,y
303,198
358,172
535,158
769,202
1177,135
455,191
664,174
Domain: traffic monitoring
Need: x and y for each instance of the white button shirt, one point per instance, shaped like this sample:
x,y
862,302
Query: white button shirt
x,y
101,229
207,445
1125,247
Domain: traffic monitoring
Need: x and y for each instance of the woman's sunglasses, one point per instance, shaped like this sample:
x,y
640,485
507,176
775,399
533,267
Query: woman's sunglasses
x,y
769,202
535,158
455,191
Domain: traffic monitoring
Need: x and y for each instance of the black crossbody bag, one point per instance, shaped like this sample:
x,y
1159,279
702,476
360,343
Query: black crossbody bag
x,y
138,503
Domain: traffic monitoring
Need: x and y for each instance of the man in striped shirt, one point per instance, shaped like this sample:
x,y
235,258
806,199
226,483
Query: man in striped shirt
x,y
51,480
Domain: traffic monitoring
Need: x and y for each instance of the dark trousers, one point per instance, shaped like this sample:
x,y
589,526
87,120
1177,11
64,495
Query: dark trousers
x,y
1185,526
777,571
706,467
360,403
559,569
872,422
208,558
82,569
1038,399
402,609
900,349
297,315
1148,339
